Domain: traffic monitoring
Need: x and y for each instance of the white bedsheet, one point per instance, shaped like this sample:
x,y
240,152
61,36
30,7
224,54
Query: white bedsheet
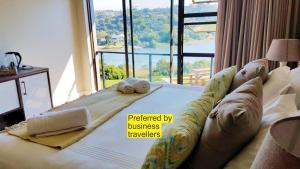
x,y
105,148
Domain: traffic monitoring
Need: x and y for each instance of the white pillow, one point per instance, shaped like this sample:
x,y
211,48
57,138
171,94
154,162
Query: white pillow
x,y
295,82
278,83
283,103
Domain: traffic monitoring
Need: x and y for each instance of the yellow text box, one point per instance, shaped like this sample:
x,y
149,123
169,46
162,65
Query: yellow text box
x,y
146,125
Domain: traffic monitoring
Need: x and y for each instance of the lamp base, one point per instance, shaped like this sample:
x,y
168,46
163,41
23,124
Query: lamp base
x,y
282,64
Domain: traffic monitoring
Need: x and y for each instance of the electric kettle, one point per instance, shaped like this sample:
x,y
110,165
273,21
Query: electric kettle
x,y
13,57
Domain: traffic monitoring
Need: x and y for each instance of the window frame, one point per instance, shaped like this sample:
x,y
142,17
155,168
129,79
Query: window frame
x,y
181,23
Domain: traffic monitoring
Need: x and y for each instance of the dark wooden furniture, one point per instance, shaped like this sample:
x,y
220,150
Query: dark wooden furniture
x,y
24,95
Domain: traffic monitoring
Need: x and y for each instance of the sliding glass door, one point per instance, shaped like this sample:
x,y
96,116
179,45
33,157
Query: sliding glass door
x,y
110,40
135,38
196,46
150,39
168,41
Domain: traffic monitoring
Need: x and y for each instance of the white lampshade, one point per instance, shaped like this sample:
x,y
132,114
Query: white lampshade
x,y
284,50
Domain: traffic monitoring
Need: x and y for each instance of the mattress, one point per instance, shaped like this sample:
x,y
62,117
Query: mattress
x,y
106,147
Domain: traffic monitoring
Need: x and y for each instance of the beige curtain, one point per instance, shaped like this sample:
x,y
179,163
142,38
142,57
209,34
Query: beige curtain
x,y
245,29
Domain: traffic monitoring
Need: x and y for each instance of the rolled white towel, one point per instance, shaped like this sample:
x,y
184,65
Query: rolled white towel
x,y
140,86
125,87
53,133
59,121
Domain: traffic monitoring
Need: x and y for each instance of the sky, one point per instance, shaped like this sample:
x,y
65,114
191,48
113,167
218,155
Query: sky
x,y
117,4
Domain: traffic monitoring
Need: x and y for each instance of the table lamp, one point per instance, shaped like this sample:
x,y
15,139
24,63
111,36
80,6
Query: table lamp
x,y
281,146
284,50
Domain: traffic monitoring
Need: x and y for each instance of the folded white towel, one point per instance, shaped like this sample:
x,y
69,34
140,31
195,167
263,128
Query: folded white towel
x,y
53,133
140,86
125,87
60,121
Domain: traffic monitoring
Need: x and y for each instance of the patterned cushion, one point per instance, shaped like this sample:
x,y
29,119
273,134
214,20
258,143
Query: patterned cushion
x,y
179,138
220,83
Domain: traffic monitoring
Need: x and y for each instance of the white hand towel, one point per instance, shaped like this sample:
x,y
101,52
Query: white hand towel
x,y
140,86
58,121
125,87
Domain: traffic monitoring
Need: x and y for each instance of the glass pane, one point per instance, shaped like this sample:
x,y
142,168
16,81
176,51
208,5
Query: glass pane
x,y
196,71
151,25
199,38
114,68
201,19
130,64
174,70
110,38
203,1
151,37
175,27
141,66
109,24
161,69
190,7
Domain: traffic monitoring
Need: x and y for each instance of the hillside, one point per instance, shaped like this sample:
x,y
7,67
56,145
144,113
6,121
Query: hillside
x,y
151,27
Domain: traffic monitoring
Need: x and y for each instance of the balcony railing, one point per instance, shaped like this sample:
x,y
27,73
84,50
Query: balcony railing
x,y
195,76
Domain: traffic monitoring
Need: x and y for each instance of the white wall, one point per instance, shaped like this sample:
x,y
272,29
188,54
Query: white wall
x,y
53,34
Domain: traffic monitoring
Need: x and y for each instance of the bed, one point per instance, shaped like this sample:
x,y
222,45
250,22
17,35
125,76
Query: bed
x,y
108,147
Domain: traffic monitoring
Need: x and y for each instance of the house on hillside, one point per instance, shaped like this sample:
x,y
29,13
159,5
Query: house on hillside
x,y
117,38
101,41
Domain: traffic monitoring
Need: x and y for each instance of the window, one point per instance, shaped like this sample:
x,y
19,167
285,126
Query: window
x,y
197,28
140,38
110,40
151,39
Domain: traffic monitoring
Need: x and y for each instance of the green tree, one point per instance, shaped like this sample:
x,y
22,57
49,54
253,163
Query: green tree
x,y
201,64
187,68
162,68
101,34
108,39
151,26
114,73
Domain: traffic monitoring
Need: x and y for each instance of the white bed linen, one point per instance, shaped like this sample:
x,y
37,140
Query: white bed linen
x,y
107,147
